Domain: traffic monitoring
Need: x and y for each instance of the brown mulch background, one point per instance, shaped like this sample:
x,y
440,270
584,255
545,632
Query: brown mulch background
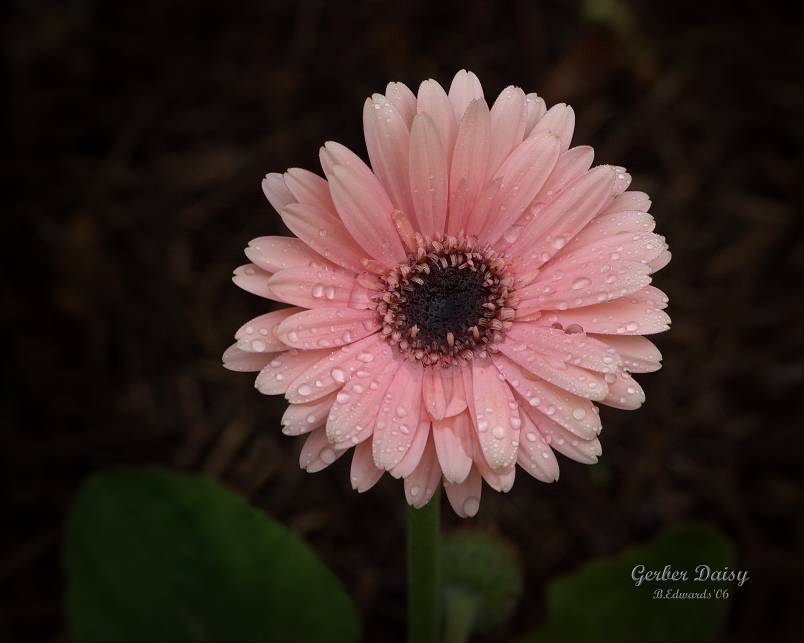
x,y
138,136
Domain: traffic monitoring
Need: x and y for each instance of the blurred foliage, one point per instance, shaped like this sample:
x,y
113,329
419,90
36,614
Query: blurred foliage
x,y
600,601
158,556
482,580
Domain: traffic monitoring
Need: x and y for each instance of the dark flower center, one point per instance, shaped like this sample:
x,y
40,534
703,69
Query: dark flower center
x,y
448,302
450,299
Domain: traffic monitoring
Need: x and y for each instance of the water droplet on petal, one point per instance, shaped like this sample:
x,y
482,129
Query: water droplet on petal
x,y
580,282
471,506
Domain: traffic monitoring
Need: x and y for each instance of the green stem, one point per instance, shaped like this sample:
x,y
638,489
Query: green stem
x,y
460,616
424,596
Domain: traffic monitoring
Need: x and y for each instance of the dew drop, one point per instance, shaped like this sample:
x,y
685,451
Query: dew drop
x,y
471,506
579,414
580,282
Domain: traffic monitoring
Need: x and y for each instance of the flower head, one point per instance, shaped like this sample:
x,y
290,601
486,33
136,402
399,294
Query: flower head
x,y
457,308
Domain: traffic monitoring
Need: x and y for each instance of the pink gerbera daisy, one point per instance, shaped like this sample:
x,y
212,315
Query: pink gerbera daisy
x,y
456,308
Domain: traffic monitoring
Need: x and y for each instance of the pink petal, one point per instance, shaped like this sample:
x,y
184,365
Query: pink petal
x,y
635,201
423,482
254,280
523,174
619,317
303,418
465,496
476,219
318,288
567,444
356,406
317,453
576,414
333,154
366,212
257,335
621,182
453,446
235,359
508,118
273,254
410,460
324,233
428,177
388,143
564,217
433,101
565,348
501,481
442,392
559,120
496,415
326,327
558,290
661,261
398,419
535,109
576,380
336,369
624,392
609,225
571,165
469,163
464,89
650,296
310,189
534,455
275,190
403,100
628,246
284,368
638,354
364,474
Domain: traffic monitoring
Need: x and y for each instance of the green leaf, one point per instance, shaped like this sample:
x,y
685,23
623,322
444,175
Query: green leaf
x,y
600,602
159,556
482,581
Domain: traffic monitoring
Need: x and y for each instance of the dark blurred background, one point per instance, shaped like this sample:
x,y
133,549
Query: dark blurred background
x,y
138,136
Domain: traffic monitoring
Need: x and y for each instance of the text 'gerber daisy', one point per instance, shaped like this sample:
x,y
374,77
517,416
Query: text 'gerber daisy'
x,y
457,307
